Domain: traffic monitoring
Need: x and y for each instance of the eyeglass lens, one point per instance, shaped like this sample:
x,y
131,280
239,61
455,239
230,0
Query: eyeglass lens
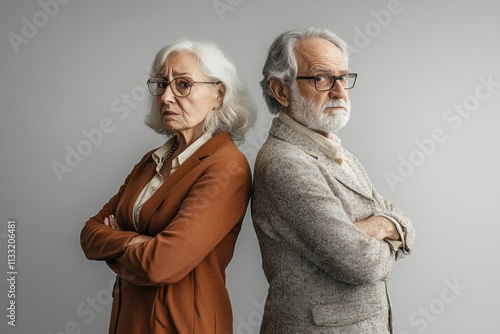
x,y
327,82
179,86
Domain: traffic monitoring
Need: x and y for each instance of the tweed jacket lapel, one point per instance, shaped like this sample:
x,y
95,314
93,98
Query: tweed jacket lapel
x,y
282,131
157,199
360,186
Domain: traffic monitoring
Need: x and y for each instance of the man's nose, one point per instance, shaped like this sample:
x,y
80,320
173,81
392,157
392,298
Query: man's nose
x,y
338,91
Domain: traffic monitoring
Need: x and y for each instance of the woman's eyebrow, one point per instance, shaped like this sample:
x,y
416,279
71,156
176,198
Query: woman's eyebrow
x,y
180,74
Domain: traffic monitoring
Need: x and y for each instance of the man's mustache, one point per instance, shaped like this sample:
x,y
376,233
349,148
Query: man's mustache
x,y
335,104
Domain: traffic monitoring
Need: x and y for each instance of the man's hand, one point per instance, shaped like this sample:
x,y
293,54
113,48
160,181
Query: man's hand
x,y
111,222
378,227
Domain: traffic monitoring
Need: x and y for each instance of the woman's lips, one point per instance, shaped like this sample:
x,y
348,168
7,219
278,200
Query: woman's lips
x,y
169,113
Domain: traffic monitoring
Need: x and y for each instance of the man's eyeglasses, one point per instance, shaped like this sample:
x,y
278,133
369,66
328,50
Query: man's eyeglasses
x,y
181,87
326,82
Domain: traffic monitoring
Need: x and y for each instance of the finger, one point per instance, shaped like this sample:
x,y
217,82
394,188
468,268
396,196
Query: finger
x,y
132,242
114,223
106,222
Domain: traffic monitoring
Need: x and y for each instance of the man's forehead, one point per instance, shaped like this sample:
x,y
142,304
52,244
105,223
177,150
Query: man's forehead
x,y
320,55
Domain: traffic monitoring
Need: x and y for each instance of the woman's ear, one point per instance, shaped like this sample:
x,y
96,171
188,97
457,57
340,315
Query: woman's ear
x,y
220,92
280,91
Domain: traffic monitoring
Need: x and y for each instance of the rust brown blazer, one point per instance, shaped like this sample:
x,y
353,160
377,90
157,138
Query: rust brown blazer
x,y
175,283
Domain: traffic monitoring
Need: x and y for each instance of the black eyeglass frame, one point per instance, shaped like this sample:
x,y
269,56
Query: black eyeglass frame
x,y
335,78
168,83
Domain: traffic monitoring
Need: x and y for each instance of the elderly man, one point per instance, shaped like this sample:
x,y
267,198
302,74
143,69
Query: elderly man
x,y
328,239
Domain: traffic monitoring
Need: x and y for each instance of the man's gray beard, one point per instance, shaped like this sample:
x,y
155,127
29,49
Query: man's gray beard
x,y
306,112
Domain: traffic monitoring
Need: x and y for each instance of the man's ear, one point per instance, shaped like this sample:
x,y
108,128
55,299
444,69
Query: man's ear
x,y
280,91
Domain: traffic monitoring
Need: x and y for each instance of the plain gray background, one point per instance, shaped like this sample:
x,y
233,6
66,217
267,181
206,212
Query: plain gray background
x,y
424,124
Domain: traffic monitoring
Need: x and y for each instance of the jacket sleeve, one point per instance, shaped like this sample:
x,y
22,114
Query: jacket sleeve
x,y
100,242
387,209
214,206
313,220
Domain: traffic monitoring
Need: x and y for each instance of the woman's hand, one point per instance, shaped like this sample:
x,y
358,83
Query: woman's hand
x,y
138,240
111,222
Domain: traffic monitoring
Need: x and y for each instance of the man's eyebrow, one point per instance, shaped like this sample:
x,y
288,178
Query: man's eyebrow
x,y
324,70
320,70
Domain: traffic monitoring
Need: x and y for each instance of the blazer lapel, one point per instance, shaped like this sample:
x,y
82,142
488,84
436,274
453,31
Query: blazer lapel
x,y
144,173
359,186
158,198
284,132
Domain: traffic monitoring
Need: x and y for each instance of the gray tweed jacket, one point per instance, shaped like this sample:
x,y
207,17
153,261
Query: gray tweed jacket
x,y
324,274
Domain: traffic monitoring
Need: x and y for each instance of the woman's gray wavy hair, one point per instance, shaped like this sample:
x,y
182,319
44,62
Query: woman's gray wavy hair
x,y
237,113
281,62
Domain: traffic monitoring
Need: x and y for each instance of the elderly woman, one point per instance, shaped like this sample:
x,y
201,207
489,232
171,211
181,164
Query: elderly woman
x,y
170,231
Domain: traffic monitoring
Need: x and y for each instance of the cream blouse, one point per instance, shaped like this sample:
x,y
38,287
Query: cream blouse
x,y
159,156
